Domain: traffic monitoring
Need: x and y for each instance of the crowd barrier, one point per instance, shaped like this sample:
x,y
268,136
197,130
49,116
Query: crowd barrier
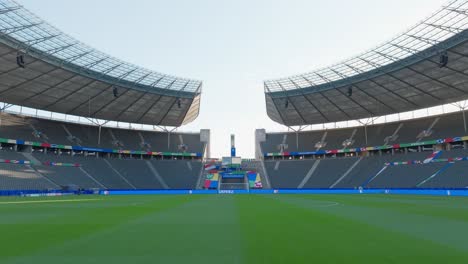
x,y
434,192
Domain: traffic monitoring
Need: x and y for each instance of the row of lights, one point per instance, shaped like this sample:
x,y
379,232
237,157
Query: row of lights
x,y
443,61
22,64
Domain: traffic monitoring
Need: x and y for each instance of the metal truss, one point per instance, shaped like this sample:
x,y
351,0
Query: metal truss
x,y
434,34
24,31
5,106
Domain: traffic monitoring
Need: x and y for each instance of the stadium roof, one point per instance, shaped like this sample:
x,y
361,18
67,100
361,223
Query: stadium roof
x,y
401,75
64,75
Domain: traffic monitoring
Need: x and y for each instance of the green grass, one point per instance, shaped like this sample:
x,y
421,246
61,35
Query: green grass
x,y
235,229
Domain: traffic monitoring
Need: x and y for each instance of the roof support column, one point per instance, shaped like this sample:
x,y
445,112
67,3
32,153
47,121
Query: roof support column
x,y
368,122
99,124
99,136
462,106
464,119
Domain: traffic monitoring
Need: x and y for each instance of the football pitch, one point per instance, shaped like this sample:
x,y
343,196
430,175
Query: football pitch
x,y
234,229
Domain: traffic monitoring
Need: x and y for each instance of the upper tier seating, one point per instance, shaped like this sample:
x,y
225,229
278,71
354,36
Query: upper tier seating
x,y
55,132
408,131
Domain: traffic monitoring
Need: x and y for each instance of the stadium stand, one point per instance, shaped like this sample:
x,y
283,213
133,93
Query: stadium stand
x,y
211,181
396,77
127,173
328,172
12,126
137,173
455,176
336,170
22,177
98,168
95,173
349,172
366,168
406,131
404,176
422,68
256,174
179,174
458,152
61,75
287,174
10,155
21,127
65,176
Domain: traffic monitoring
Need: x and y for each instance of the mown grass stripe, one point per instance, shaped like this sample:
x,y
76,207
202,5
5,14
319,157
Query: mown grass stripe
x,y
50,201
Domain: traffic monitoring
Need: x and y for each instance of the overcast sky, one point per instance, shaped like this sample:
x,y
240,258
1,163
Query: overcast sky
x,y
233,45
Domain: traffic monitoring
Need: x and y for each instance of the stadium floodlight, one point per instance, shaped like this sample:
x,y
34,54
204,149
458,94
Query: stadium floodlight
x,y
350,91
443,59
20,60
116,92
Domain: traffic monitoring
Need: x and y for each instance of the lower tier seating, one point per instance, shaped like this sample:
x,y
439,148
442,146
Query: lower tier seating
x,y
96,173
355,172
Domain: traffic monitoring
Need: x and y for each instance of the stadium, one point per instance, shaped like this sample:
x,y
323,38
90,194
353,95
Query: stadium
x,y
372,166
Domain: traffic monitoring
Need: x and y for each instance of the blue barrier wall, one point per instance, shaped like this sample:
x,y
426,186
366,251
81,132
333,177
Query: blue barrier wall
x,y
436,192
42,193
146,192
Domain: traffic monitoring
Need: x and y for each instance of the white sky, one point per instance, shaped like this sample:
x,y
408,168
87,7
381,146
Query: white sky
x,y
233,45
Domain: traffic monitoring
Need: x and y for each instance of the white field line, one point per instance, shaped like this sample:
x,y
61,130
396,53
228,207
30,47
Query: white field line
x,y
50,201
330,204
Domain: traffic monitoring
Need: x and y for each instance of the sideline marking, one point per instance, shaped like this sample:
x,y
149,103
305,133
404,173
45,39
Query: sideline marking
x,y
320,203
330,204
50,201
